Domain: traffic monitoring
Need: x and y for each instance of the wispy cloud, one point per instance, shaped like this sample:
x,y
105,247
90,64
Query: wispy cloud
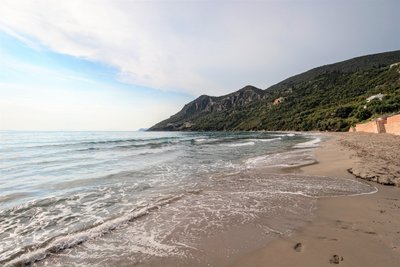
x,y
205,46
41,90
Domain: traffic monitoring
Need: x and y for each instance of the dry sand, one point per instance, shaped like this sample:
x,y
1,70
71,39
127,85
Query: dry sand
x,y
379,156
350,231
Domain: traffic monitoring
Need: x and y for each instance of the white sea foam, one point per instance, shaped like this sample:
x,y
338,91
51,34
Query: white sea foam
x,y
116,208
172,226
298,193
309,144
284,134
251,143
64,242
265,140
294,158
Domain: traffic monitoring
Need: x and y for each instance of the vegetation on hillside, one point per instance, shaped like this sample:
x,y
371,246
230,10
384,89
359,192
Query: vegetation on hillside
x,y
331,98
333,101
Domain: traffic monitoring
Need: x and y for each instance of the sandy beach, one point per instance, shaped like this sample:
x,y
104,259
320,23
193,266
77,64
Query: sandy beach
x,y
359,230
272,215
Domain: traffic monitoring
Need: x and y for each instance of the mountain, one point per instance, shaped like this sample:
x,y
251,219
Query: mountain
x,y
331,97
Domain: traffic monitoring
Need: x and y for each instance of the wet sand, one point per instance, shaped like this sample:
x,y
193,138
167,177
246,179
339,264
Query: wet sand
x,y
350,231
361,230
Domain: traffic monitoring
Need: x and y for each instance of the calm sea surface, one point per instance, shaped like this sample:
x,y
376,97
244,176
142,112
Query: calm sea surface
x,y
82,197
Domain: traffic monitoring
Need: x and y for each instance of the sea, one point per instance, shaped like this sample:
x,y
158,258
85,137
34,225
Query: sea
x,y
137,198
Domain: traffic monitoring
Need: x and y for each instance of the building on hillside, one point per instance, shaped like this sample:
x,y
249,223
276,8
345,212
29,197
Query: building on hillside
x,y
278,101
378,96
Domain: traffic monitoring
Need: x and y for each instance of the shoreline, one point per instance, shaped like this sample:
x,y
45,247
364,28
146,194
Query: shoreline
x,y
361,230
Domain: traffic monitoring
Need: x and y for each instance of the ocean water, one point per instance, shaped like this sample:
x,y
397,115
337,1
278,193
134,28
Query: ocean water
x,y
84,197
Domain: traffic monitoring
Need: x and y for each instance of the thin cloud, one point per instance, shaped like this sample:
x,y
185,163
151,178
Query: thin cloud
x,y
207,46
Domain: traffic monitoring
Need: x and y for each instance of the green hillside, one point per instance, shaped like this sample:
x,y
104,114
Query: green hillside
x,y
331,97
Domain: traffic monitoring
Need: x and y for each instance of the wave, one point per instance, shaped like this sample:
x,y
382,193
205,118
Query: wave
x,y
309,144
57,244
152,145
99,142
230,142
284,134
251,143
237,140
130,146
265,140
285,159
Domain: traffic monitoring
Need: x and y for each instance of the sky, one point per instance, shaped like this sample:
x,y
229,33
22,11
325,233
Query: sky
x,y
124,65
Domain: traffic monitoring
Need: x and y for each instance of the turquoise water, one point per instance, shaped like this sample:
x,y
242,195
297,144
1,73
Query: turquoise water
x,y
59,190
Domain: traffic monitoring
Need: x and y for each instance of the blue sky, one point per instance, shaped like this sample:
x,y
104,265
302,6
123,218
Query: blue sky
x,y
44,90
122,65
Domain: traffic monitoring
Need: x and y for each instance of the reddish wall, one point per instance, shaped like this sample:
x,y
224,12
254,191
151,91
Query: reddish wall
x,y
369,127
390,125
394,119
393,128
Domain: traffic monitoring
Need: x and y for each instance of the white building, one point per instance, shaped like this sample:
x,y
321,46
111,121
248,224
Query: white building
x,y
378,96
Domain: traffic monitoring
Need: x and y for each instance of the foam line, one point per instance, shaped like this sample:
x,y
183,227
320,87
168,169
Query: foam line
x,y
64,242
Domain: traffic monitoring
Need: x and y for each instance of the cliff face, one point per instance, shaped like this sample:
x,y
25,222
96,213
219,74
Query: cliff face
x,y
209,104
237,99
331,97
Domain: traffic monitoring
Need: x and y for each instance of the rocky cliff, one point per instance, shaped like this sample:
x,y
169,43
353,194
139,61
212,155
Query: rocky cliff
x,y
209,104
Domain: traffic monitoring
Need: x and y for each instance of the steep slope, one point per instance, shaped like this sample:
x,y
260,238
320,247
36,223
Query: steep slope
x,y
204,105
330,97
